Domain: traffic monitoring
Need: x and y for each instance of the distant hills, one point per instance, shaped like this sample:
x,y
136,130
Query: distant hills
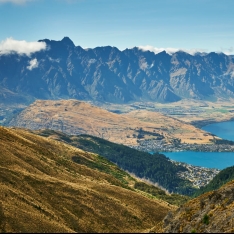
x,y
75,117
103,74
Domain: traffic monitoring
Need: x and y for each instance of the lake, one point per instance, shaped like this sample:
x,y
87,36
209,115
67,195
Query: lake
x,y
218,160
224,130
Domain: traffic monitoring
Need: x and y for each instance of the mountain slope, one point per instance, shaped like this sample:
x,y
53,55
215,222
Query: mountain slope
x,y
60,188
156,168
211,212
107,74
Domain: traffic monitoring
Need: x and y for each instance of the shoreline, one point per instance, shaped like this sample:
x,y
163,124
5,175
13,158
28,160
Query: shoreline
x,y
203,123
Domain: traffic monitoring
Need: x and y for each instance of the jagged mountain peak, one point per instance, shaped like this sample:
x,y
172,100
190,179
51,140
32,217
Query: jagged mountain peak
x,y
65,41
68,41
182,54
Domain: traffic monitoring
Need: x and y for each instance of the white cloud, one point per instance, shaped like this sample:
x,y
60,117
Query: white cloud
x,y
157,50
18,2
20,47
32,64
169,50
228,51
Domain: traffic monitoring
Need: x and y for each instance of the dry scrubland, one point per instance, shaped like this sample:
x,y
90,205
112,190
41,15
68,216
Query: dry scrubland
x,y
172,128
76,117
211,212
43,190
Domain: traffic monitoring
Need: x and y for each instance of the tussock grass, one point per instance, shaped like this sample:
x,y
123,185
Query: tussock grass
x,y
43,190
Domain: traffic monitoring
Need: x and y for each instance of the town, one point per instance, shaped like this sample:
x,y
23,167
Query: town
x,y
162,146
199,176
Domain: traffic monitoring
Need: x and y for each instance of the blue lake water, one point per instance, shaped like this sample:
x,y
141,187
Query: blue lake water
x,y
218,160
224,130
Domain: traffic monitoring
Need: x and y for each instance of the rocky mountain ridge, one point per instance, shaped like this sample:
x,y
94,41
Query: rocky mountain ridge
x,y
107,74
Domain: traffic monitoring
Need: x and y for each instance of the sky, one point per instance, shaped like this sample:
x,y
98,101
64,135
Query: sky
x,y
156,25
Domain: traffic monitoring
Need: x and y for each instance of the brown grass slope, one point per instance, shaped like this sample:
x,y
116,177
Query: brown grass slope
x,y
43,190
211,212
103,148
76,117
172,128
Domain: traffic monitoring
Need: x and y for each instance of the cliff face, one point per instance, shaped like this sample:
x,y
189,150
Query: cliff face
x,y
64,70
211,212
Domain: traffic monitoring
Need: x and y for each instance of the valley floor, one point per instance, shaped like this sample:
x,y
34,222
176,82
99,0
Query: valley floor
x,y
196,112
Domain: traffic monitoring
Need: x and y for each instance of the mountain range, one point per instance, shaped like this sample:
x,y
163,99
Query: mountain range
x,y
106,74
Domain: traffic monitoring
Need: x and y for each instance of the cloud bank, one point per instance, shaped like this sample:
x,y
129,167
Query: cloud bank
x,y
32,64
10,45
170,50
227,51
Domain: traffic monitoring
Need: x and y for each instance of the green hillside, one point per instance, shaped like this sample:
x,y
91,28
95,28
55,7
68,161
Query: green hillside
x,y
156,168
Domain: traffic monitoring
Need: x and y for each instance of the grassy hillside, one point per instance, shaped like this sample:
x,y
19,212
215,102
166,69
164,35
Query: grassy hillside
x,y
50,186
220,179
175,199
75,117
157,168
212,212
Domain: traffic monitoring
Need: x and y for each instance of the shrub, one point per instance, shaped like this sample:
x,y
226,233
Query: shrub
x,y
205,219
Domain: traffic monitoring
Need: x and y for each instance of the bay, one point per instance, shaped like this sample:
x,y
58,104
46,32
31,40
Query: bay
x,y
224,130
219,160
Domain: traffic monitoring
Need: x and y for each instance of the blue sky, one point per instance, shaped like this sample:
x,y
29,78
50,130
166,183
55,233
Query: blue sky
x,y
205,25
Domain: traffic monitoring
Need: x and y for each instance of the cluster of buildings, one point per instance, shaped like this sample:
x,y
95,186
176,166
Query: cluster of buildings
x,y
163,146
199,176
